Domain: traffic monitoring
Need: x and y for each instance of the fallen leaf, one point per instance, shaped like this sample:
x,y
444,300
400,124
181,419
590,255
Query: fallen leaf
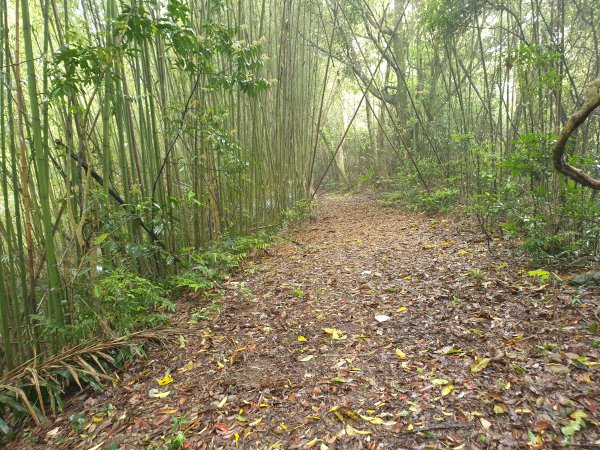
x,y
167,379
189,366
400,354
378,421
302,339
382,318
351,431
222,402
256,422
306,358
340,380
485,423
447,390
557,368
480,364
575,425
335,334
97,447
498,409
53,432
312,443
155,393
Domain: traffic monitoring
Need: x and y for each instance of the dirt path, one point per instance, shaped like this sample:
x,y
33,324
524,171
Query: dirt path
x,y
374,328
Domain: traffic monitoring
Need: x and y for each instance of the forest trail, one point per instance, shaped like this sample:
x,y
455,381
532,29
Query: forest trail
x,y
367,328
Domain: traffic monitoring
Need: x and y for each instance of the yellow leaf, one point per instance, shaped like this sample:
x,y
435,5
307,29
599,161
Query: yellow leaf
x,y
237,438
167,379
400,354
306,358
378,421
222,402
97,419
96,447
302,339
447,390
181,341
401,309
499,409
462,253
439,382
312,443
480,364
282,425
410,427
256,422
189,366
335,334
160,394
351,431
169,410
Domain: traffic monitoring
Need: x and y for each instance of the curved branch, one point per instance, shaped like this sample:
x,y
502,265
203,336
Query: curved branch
x,y
558,153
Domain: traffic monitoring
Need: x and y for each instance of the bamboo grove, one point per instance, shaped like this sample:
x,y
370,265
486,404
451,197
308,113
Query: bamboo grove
x,y
463,102
133,131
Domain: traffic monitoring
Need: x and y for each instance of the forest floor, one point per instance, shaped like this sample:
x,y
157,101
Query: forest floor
x,y
366,328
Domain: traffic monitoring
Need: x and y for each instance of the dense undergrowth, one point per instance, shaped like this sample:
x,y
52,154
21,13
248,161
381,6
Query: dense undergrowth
x,y
520,198
117,312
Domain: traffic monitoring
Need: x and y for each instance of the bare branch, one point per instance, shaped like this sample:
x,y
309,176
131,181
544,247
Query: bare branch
x,y
558,154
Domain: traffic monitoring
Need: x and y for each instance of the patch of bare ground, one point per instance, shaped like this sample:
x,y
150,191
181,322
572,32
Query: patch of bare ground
x,y
369,328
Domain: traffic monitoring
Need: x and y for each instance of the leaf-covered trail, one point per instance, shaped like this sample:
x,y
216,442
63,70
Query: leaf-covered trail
x,y
368,328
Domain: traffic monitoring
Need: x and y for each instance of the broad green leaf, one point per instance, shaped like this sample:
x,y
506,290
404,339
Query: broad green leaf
x,y
499,409
540,273
100,239
340,380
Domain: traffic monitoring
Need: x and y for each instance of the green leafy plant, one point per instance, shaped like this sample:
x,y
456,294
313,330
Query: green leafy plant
x,y
127,302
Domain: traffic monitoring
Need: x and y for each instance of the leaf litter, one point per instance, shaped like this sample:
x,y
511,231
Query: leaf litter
x,y
468,349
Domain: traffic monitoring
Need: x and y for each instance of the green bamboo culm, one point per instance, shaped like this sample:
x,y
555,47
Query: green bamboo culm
x,y
41,157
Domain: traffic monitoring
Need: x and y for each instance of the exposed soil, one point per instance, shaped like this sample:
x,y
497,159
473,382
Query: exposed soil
x,y
368,328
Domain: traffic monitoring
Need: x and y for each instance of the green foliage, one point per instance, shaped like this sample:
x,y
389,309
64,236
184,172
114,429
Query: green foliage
x,y
445,18
208,268
208,311
529,58
406,192
127,302
301,211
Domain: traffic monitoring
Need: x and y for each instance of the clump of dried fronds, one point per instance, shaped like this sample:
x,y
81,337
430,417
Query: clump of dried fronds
x,y
30,389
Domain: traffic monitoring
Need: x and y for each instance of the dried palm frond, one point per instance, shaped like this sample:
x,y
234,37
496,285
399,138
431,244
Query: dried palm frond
x,y
26,390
